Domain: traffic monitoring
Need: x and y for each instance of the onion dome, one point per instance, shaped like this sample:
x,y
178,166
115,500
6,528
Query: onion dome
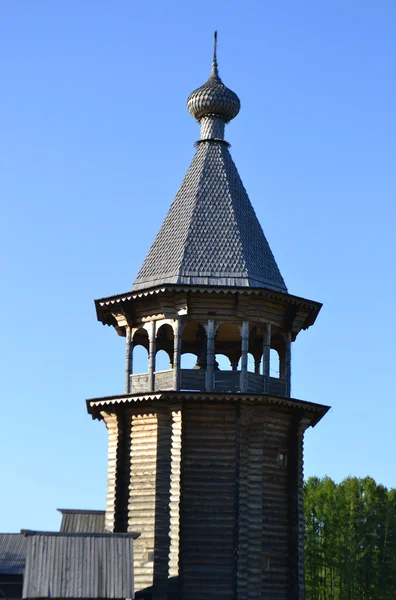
x,y
213,97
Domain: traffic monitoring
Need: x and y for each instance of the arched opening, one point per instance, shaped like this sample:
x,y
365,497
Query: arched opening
x,y
140,346
255,356
162,361
223,362
251,363
164,348
193,343
193,357
277,356
274,364
228,344
188,360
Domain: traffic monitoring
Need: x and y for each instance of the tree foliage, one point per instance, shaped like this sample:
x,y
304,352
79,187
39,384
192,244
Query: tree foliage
x,y
350,540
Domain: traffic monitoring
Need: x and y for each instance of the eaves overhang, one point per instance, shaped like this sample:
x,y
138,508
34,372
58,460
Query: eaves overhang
x,y
313,411
104,306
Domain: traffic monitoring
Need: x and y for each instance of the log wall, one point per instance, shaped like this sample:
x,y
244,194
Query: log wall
x,y
142,489
111,421
215,489
208,506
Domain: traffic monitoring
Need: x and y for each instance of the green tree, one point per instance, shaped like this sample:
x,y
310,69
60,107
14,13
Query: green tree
x,y
350,540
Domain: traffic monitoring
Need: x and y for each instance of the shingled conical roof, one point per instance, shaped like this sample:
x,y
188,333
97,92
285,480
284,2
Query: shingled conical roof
x,y
211,235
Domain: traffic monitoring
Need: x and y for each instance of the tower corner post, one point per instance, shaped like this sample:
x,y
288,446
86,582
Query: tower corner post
x,y
296,506
128,360
288,364
176,354
151,358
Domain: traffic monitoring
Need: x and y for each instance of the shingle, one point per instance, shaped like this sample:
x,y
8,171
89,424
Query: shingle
x,y
211,234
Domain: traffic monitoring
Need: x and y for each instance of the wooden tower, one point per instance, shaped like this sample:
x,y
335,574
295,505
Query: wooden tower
x,y
207,463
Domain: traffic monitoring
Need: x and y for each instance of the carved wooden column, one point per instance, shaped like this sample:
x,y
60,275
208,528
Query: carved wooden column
x,y
244,356
151,358
266,358
287,372
257,360
210,355
128,360
176,354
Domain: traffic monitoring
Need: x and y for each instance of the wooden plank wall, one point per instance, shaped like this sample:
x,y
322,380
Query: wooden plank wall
x,y
193,379
277,386
139,383
255,383
163,380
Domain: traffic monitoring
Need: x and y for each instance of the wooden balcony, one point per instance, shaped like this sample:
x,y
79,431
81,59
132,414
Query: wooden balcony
x,y
194,380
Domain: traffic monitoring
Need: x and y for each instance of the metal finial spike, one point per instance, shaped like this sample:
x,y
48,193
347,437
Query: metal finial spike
x,y
215,48
215,72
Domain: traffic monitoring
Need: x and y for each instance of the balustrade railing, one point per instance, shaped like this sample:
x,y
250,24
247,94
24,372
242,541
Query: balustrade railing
x,y
193,380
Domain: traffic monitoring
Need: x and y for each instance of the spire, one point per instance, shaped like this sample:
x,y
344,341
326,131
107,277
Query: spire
x,y
215,72
211,235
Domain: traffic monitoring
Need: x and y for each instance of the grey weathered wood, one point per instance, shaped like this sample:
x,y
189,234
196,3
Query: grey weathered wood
x,y
288,364
210,332
151,356
266,357
254,383
111,420
244,353
139,383
128,360
163,380
208,501
211,478
193,379
219,514
142,488
174,501
277,386
176,353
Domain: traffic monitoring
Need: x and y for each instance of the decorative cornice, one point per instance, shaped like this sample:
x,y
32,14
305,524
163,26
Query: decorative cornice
x,y
96,406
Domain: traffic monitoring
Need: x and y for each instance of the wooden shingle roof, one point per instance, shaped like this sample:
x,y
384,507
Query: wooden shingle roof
x,y
211,234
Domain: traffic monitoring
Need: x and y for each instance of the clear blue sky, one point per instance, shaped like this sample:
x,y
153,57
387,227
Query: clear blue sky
x,y
94,142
